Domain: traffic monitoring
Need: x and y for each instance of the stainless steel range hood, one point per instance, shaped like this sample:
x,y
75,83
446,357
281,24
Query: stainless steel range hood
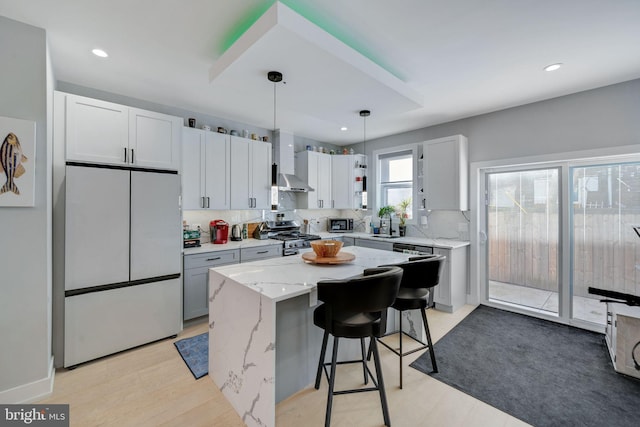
x,y
284,157
289,182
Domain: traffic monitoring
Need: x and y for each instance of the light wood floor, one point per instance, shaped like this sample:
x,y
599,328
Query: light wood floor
x,y
152,386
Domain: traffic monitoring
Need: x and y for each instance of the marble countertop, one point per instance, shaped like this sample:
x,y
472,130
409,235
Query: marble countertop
x,y
422,241
287,277
251,243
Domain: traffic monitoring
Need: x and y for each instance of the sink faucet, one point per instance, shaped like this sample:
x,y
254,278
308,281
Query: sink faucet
x,y
383,226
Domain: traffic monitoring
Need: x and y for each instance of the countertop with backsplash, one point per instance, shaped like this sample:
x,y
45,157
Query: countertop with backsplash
x,y
250,243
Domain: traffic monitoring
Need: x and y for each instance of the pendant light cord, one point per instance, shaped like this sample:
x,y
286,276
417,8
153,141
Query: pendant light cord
x,y
274,106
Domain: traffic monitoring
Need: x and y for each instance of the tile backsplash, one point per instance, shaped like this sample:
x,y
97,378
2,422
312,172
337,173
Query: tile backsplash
x,y
439,224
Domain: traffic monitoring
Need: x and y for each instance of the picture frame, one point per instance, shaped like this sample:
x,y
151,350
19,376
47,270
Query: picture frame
x,y
17,162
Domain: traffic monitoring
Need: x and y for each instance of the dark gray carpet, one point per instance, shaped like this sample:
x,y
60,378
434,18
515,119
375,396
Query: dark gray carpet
x,y
541,372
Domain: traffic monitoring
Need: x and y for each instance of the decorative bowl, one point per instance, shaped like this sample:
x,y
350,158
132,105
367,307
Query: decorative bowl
x,y
326,248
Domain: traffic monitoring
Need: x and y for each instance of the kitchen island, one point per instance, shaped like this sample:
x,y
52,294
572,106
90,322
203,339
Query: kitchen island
x,y
263,345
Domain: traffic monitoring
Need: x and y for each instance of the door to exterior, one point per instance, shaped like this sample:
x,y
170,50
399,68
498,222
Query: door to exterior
x,y
523,235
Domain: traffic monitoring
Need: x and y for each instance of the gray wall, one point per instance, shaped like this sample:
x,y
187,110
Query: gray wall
x,y
594,119
25,252
598,118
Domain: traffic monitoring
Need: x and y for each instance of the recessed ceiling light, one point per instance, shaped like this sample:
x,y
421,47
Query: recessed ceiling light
x,y
99,52
343,128
553,67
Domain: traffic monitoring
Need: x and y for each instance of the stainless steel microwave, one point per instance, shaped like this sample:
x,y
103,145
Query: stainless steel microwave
x,y
340,225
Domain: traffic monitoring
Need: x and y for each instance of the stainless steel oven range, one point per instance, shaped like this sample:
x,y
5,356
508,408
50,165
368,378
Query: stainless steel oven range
x,y
289,233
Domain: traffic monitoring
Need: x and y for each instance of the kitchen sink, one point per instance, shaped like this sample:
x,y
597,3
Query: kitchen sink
x,y
385,236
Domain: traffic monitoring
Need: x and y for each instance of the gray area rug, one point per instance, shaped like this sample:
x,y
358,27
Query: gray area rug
x,y
541,372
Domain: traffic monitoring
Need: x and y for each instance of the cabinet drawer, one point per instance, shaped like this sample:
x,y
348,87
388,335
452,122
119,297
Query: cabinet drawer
x,y
211,259
260,252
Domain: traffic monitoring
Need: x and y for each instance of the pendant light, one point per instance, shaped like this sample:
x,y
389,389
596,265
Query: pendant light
x,y
364,114
275,77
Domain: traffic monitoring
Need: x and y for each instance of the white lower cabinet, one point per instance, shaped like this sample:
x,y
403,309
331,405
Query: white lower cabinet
x,y
451,292
196,279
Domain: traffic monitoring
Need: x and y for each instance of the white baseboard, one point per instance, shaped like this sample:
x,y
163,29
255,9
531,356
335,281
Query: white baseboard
x,y
31,392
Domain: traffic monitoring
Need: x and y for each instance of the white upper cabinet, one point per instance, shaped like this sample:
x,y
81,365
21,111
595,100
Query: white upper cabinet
x,y
206,158
315,169
193,169
96,131
446,174
250,174
154,139
346,181
104,132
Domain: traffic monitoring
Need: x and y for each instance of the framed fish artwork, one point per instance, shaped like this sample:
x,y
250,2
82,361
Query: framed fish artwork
x,y
17,162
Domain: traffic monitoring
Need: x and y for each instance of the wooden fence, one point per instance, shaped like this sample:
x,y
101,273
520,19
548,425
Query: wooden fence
x,y
523,250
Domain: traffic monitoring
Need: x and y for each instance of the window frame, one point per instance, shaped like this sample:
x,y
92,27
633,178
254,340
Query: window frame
x,y
413,149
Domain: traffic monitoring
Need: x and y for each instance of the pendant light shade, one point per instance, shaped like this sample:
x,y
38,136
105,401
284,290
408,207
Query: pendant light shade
x,y
364,114
275,77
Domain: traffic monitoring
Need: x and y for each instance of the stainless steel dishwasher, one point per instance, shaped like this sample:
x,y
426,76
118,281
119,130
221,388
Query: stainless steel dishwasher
x,y
416,250
412,249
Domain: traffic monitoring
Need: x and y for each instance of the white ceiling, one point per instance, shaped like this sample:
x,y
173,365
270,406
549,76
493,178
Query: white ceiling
x,y
458,57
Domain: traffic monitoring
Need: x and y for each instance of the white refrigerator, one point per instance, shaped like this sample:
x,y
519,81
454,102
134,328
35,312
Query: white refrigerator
x,y
122,259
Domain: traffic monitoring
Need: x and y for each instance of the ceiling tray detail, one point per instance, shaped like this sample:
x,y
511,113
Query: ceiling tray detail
x,y
322,70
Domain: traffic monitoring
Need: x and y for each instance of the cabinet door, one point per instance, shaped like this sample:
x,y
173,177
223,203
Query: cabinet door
x,y
442,293
96,227
240,195
374,244
261,175
260,252
154,139
156,233
324,180
217,175
193,164
308,166
342,182
97,131
196,293
446,173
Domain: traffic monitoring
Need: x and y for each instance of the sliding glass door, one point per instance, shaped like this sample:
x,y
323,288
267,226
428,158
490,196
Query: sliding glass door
x,y
553,232
523,229
605,208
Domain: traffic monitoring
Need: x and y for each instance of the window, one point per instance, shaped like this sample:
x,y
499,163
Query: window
x,y
396,180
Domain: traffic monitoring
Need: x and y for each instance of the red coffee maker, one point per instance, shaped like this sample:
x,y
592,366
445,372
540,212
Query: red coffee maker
x,y
219,230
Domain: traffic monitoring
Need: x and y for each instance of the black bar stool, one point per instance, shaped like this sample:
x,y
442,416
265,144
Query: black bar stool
x,y
356,308
420,276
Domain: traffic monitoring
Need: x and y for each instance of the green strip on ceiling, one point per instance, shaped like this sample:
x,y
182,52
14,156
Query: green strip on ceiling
x,y
306,9
245,24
